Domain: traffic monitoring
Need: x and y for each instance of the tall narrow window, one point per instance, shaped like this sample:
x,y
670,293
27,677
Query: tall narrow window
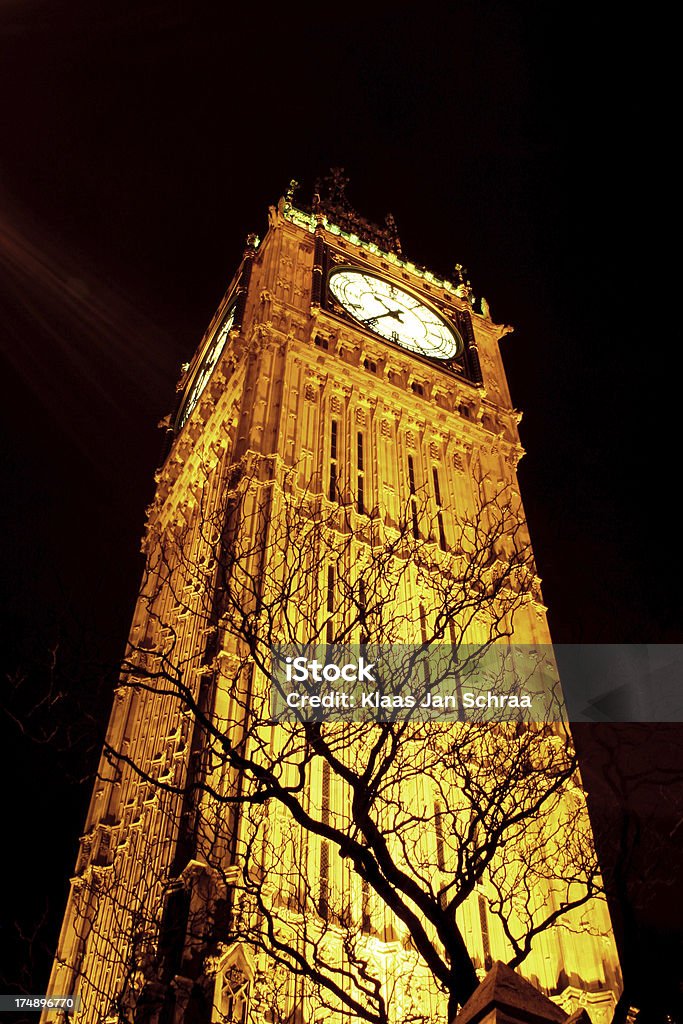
x,y
324,894
325,794
366,919
442,532
456,669
234,996
484,921
324,897
333,460
437,489
411,474
439,510
423,624
330,604
438,829
330,588
423,634
413,498
361,476
362,613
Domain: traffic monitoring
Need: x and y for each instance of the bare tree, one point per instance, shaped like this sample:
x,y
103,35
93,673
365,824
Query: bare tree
x,y
223,844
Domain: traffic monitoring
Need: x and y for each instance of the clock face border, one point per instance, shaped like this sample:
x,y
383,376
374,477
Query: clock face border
x,y
211,355
453,332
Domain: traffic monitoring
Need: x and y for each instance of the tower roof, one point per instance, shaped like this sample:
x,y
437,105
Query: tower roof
x,y
504,990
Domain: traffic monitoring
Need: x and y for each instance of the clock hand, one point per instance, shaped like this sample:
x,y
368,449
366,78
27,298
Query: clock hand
x,y
394,313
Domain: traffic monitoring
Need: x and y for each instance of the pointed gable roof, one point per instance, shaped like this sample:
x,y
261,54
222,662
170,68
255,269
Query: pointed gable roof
x,y
502,989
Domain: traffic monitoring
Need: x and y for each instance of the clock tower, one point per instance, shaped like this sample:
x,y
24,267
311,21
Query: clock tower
x,y
340,470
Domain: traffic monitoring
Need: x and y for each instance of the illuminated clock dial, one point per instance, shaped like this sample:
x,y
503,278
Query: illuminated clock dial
x,y
206,367
398,316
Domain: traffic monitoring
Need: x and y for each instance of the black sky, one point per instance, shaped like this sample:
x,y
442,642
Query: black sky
x,y
142,142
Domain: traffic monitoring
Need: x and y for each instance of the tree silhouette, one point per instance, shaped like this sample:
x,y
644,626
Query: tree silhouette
x,y
237,861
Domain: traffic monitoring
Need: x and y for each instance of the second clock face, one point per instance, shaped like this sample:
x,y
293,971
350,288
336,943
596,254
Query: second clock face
x,y
206,367
398,316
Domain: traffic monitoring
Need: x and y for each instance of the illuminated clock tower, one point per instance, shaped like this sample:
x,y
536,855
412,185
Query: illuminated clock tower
x,y
341,469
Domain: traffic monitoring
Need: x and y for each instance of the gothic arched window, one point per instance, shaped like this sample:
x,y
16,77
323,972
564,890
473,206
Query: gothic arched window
x,y
233,995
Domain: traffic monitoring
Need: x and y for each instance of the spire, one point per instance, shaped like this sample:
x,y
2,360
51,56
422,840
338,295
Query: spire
x,y
505,996
330,199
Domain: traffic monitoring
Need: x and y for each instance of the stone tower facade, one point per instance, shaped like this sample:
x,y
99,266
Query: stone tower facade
x,y
341,469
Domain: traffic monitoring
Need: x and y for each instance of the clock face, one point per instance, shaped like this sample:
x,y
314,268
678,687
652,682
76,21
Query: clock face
x,y
206,367
398,316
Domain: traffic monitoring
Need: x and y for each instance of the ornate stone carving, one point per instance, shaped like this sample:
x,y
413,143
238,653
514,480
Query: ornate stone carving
x,y
330,199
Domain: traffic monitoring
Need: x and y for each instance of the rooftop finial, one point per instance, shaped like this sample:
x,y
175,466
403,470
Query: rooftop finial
x,y
293,186
463,285
335,188
330,198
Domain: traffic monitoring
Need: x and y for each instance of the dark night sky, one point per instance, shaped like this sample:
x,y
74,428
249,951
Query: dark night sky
x,y
140,144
